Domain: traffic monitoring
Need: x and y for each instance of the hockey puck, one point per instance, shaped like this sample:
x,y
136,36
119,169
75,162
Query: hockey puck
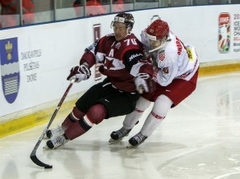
x,y
48,167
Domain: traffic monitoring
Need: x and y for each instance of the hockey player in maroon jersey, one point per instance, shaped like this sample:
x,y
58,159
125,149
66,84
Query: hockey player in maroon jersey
x,y
175,73
121,55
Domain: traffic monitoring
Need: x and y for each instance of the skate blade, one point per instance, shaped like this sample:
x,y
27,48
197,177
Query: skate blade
x,y
45,137
112,141
129,146
46,147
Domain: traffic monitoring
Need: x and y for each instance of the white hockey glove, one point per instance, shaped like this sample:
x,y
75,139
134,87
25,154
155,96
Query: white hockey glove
x,y
79,73
141,82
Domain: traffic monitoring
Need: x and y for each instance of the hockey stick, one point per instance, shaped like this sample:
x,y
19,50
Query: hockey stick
x,y
33,153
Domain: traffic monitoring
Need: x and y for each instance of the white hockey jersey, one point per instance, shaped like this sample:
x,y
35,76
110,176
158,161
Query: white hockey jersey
x,y
174,60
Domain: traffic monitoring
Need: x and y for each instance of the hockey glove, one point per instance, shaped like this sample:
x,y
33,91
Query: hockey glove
x,y
79,73
141,82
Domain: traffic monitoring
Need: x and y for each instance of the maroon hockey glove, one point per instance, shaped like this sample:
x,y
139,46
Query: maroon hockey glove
x,y
79,73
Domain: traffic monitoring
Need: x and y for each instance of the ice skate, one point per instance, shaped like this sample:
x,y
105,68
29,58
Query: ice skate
x,y
136,140
56,142
54,132
117,136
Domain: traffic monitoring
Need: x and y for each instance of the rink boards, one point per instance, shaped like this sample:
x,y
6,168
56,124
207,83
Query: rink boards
x,y
42,62
43,116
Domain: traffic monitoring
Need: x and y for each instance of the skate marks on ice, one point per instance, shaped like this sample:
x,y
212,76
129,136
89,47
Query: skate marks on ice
x,y
94,158
217,161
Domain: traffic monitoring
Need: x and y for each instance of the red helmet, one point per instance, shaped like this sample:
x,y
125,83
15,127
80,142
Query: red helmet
x,y
157,30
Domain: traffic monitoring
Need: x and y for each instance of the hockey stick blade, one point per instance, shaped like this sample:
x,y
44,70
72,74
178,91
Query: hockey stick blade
x,y
39,163
33,153
33,156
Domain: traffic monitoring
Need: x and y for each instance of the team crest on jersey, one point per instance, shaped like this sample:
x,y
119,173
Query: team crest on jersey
x,y
165,70
161,56
10,73
118,45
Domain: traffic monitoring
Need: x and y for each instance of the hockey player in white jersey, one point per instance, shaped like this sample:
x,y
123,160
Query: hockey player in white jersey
x,y
176,71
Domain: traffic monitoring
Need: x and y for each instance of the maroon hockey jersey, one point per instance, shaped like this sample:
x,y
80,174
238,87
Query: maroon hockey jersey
x,y
121,60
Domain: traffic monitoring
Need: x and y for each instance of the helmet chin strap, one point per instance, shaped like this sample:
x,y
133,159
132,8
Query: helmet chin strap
x,y
160,46
129,29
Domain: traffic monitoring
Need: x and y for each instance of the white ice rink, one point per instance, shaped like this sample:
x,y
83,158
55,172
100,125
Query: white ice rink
x,y
199,139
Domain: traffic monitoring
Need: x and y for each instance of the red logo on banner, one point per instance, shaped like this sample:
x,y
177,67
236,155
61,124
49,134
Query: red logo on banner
x,y
224,32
